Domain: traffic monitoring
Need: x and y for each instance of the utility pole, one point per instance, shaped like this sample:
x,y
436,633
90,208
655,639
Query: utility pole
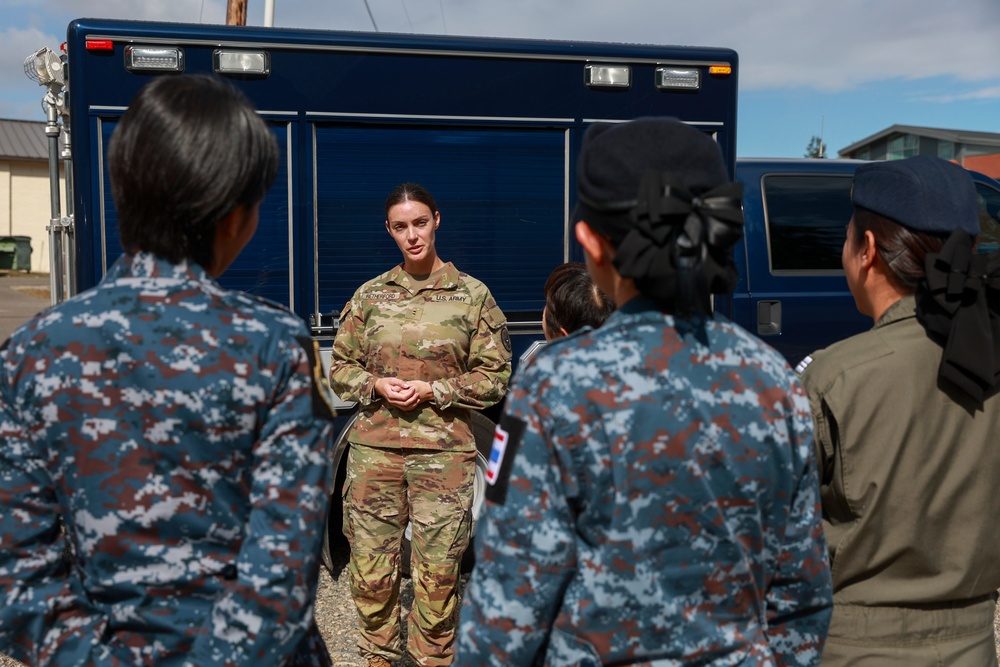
x,y
236,12
822,146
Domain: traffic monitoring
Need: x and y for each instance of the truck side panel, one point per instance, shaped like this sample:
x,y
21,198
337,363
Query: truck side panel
x,y
492,127
266,264
795,296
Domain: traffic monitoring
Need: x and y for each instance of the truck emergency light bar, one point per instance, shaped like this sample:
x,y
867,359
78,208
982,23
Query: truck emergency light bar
x,y
171,59
154,59
667,78
245,63
258,64
607,76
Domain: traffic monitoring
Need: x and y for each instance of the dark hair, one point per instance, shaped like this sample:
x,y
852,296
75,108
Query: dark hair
x,y
188,151
573,301
902,249
410,192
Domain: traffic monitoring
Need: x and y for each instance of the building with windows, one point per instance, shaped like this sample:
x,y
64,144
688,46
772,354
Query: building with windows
x,y
979,151
25,196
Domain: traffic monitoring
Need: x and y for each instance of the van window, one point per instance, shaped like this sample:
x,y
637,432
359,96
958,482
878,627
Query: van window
x,y
989,218
807,218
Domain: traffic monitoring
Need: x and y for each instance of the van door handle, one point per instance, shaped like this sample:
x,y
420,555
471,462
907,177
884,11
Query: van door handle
x,y
768,318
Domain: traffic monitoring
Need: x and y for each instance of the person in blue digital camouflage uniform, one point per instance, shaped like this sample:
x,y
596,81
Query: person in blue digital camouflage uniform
x,y
652,495
174,434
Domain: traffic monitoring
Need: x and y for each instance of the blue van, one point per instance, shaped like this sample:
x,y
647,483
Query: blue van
x,y
792,291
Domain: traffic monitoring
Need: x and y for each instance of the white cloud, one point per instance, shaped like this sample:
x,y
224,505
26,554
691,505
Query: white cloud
x,y
813,44
940,60
988,93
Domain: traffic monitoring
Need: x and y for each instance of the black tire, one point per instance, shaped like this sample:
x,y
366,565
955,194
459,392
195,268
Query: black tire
x,y
335,546
336,550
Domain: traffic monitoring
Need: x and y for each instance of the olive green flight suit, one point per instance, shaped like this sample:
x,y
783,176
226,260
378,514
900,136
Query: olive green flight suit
x,y
908,475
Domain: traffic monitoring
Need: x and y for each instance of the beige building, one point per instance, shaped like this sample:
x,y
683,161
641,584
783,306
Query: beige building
x,y
25,197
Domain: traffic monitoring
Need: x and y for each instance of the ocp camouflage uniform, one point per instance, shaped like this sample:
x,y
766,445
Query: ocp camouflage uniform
x,y
176,432
653,500
417,465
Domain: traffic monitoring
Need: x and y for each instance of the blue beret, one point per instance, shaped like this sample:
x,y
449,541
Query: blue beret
x,y
922,193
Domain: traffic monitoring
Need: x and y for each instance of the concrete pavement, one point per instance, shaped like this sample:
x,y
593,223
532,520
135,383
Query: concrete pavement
x,y
21,296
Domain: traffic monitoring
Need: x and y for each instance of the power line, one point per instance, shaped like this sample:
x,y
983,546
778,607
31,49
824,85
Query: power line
x,y
405,11
371,16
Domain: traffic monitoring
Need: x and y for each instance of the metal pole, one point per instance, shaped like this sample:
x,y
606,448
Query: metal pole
x,y
56,251
269,13
69,229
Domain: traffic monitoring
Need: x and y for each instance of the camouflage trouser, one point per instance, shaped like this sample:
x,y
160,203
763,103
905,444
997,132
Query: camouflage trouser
x,y
432,490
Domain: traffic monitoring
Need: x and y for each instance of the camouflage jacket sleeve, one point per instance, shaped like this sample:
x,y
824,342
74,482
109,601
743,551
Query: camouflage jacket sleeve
x,y
44,615
525,555
349,376
799,598
485,381
267,610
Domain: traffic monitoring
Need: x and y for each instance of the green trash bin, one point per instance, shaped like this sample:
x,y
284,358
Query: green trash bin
x,y
15,253
22,253
8,252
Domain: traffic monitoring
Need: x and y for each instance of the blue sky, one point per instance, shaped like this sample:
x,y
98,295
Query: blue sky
x,y
844,68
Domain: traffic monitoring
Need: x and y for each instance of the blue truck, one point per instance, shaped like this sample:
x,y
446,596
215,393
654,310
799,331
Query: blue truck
x,y
491,126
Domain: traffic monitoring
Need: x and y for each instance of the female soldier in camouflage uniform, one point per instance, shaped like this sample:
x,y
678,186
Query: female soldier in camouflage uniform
x,y
418,347
170,430
653,497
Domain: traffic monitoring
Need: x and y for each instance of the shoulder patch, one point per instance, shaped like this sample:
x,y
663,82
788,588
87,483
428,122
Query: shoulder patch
x,y
321,403
506,441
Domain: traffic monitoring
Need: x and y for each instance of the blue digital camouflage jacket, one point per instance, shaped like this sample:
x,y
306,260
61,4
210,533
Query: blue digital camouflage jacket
x,y
653,500
174,435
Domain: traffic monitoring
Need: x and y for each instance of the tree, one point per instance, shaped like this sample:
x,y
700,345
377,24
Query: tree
x,y
816,147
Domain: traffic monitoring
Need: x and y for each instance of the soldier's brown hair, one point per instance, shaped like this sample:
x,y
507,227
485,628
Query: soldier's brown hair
x,y
410,192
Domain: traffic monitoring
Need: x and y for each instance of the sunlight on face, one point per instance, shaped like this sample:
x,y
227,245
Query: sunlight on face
x,y
412,225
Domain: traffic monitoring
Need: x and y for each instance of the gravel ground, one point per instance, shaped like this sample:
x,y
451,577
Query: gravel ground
x,y
337,620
